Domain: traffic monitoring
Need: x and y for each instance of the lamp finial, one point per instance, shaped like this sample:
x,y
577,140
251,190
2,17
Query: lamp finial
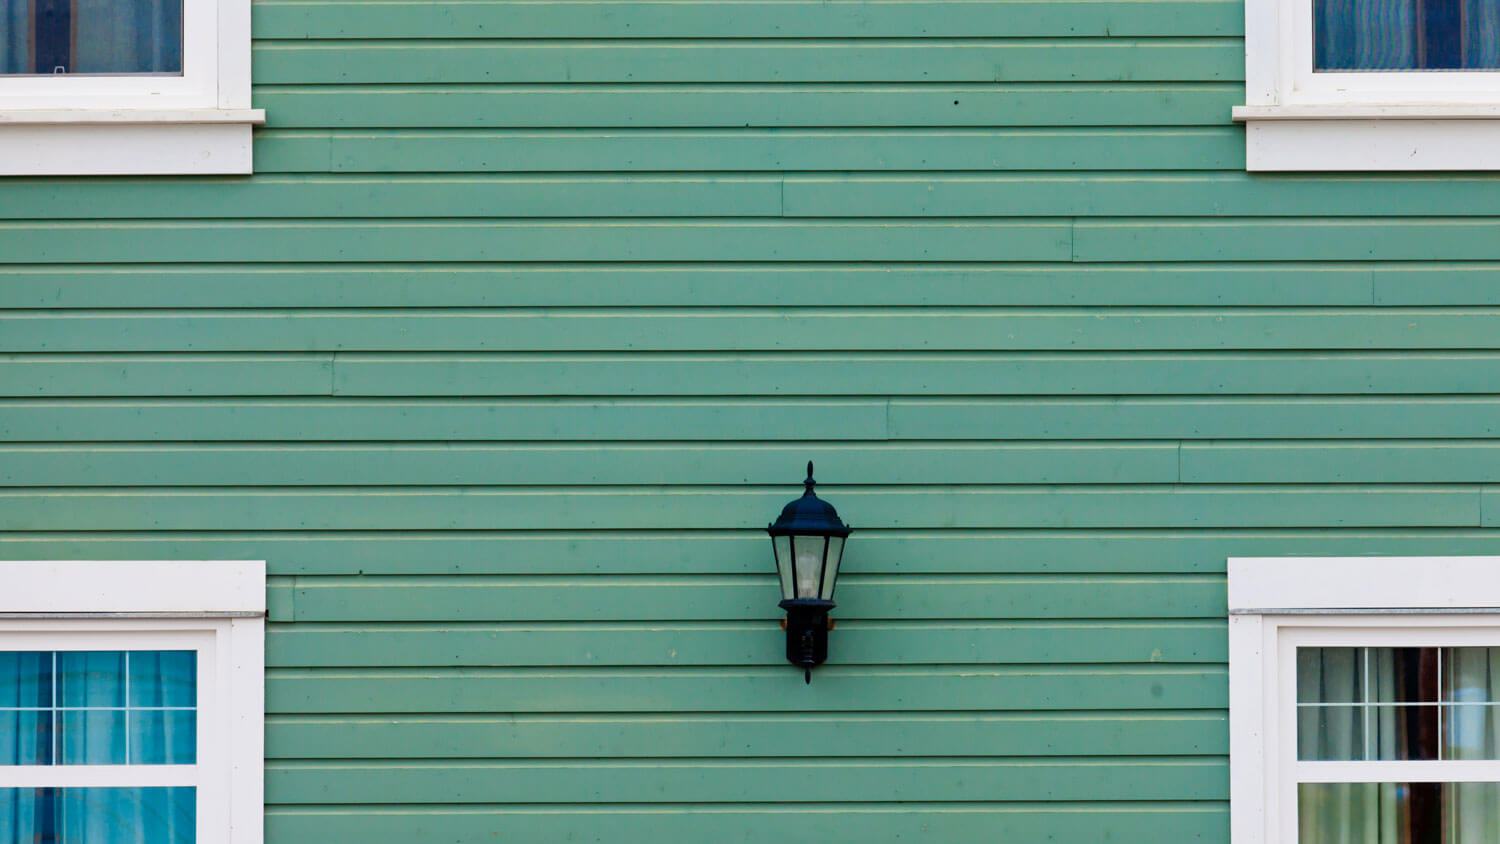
x,y
809,482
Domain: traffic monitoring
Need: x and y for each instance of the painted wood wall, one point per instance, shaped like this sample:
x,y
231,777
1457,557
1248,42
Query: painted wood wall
x,y
534,310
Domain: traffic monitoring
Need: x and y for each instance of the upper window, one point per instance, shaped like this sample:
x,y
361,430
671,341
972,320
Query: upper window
x,y
1372,715
139,727
1372,84
96,87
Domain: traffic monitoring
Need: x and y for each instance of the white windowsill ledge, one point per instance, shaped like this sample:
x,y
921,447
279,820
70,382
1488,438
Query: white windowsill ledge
x,y
1371,137
126,142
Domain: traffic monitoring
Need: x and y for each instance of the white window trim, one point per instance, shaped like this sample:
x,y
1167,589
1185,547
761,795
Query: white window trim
x,y
217,608
1299,120
196,123
1278,603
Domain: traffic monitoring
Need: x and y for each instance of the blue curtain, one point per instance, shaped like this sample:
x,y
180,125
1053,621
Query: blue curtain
x,y
98,815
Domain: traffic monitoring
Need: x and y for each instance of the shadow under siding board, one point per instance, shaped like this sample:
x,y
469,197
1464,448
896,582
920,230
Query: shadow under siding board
x,y
664,106
840,735
508,240
416,61
781,781
709,598
751,643
736,689
958,823
742,149
757,330
521,508
746,19
789,284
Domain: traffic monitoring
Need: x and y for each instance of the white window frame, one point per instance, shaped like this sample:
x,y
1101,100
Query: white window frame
x,y
197,123
214,608
1277,604
1299,120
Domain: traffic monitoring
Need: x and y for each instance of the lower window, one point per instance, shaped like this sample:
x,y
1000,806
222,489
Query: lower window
x,y
131,730
1370,716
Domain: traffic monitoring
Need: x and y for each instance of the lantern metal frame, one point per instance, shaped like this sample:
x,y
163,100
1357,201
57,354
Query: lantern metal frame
x,y
807,622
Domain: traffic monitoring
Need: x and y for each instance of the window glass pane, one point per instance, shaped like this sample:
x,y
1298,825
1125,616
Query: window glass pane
x,y
1375,35
90,678
1331,733
1330,675
91,736
163,737
1400,813
25,737
90,36
98,815
25,678
163,678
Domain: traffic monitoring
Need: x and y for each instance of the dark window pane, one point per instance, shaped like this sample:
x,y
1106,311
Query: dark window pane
x,y
1373,35
90,36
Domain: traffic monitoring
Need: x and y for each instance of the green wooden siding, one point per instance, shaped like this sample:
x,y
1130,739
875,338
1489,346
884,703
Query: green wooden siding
x,y
534,310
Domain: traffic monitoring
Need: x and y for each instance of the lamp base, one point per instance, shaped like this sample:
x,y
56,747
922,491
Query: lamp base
x,y
807,627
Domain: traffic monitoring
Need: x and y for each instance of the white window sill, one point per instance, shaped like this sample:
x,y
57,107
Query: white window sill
x,y
126,142
1371,137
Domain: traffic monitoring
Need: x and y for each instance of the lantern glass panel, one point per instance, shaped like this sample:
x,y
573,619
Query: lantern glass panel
x,y
831,567
782,545
808,555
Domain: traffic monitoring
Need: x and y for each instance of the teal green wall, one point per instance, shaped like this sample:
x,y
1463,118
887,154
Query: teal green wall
x,y
533,312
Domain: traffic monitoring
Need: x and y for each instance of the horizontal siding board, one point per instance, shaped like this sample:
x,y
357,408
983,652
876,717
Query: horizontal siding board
x,y
662,106
1379,461
970,195
839,688
932,551
295,62
801,735
640,329
741,19
780,781
341,419
697,285
507,240
741,150
244,375
740,598
734,643
396,196
1398,284
964,822
1313,417
458,464
1139,194
450,508
727,420
748,374
890,374
1375,239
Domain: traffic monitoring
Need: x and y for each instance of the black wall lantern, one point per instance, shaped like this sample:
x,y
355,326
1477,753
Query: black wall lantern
x,y
808,539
